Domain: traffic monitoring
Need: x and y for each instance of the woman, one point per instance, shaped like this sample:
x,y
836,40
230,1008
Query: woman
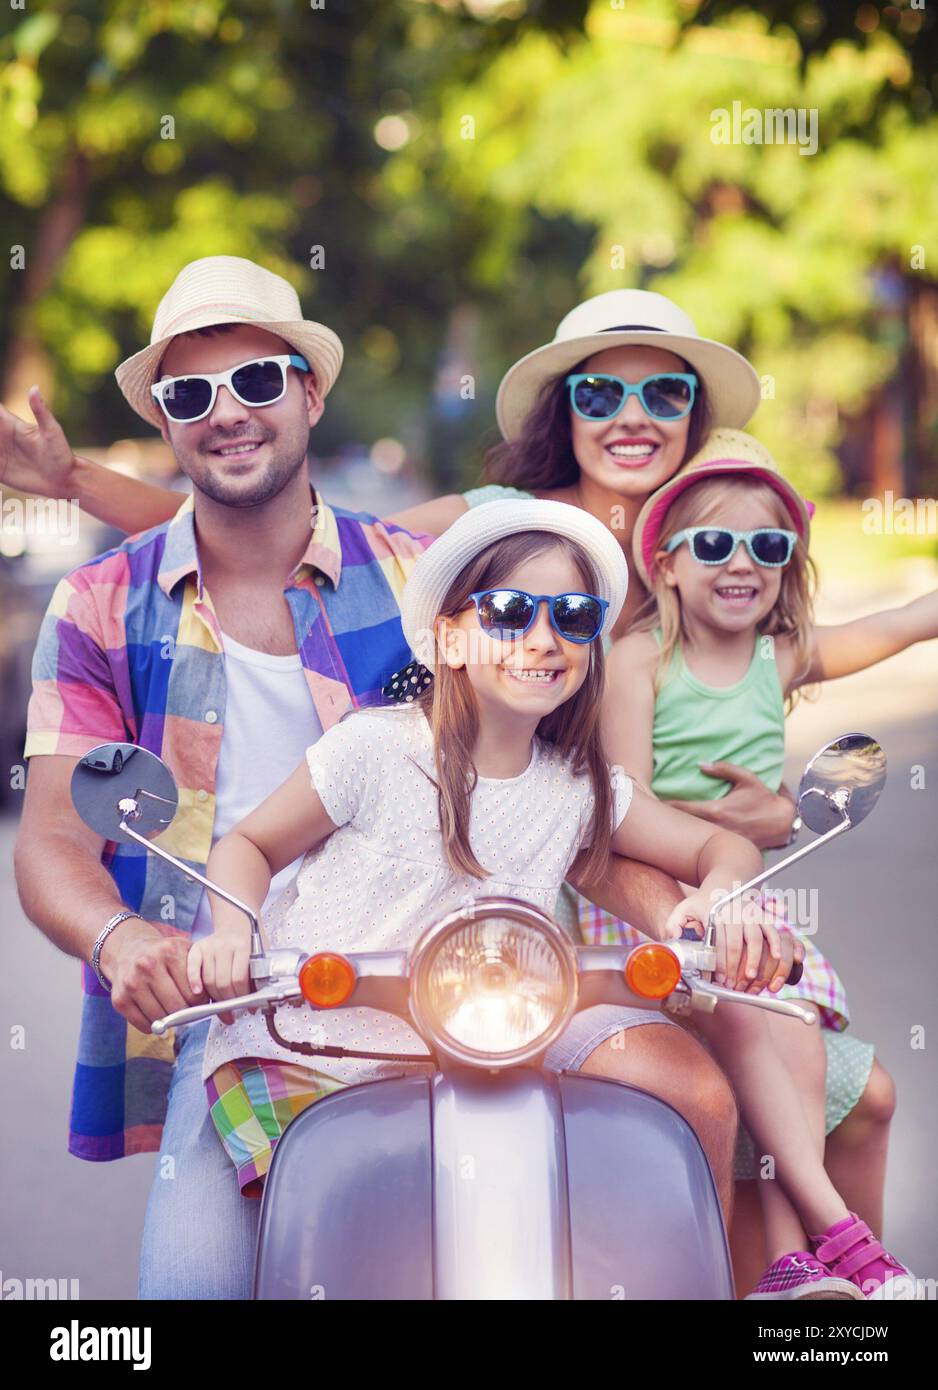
x,y
604,447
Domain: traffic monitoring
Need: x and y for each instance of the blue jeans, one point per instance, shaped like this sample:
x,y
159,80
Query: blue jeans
x,y
199,1234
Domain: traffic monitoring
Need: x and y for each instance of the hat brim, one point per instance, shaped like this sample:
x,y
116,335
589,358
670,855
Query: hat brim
x,y
650,521
730,381
480,527
318,344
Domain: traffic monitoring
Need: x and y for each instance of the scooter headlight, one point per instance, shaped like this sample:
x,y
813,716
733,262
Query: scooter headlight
x,y
494,985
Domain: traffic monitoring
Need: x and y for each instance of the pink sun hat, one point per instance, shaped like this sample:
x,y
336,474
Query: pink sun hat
x,y
723,451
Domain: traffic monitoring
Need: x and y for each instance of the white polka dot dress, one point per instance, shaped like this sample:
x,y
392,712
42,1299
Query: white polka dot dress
x,y
382,877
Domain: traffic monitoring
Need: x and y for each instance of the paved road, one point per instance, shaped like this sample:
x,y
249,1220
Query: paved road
x,y
876,888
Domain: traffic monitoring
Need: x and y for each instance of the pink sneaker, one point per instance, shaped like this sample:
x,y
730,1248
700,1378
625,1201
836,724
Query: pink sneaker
x,y
801,1275
851,1251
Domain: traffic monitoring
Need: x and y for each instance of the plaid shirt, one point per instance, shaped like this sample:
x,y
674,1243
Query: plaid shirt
x,y
130,651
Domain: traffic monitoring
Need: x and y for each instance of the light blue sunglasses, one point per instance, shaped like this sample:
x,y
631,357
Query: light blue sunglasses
x,y
769,546
600,395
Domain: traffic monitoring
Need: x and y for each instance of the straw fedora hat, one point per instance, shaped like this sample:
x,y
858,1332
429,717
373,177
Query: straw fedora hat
x,y
439,565
622,318
227,289
723,451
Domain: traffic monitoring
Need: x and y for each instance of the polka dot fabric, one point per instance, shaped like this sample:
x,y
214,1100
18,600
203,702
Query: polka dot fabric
x,y
382,877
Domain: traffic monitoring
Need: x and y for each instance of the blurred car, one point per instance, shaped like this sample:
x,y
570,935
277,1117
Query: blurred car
x,y
110,757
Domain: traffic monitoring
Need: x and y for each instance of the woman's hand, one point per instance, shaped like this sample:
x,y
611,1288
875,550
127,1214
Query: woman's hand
x,y
218,965
748,808
35,458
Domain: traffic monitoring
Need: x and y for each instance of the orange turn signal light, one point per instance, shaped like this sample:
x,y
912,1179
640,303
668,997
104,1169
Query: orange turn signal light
x,y
327,980
652,971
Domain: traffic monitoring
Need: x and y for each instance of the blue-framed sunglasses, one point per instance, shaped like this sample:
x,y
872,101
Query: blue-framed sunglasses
x,y
262,381
510,613
664,396
769,546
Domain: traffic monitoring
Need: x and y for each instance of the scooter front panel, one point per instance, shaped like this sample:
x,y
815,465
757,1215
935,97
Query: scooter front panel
x,y
500,1195
645,1219
346,1211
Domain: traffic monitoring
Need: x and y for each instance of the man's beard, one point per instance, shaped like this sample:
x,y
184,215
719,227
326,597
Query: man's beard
x,y
278,473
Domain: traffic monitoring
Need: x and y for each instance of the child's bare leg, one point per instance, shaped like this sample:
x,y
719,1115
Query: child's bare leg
x,y
855,1155
773,1112
764,1227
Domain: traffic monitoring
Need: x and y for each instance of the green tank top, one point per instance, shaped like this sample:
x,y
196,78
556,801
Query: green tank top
x,y
742,723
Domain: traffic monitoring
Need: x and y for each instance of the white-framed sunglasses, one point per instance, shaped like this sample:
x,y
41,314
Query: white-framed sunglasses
x,y
261,381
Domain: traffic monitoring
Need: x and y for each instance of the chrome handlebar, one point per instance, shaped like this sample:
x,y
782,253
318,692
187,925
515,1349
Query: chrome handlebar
x,y
383,975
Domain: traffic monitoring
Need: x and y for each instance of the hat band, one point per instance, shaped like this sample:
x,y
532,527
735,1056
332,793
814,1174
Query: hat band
x,y
633,328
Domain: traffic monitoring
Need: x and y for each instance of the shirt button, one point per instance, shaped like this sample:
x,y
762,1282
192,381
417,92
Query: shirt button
x,y
211,716
201,794
320,580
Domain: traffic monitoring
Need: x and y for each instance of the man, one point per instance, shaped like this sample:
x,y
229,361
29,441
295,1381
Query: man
x,y
226,640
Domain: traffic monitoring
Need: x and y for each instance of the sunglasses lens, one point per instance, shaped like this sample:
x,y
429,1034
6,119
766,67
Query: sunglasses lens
x,y
505,612
666,397
258,383
187,397
713,547
598,397
770,547
577,616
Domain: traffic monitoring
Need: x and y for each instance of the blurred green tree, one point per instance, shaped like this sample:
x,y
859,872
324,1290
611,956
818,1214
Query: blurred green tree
x,y
136,137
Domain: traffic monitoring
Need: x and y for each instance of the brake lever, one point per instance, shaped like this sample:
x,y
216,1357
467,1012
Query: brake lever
x,y
277,993
756,1001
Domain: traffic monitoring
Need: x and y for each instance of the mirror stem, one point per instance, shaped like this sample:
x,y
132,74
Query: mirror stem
x,y
257,941
774,869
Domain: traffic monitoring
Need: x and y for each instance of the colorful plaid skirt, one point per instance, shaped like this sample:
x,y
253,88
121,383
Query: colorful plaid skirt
x,y
251,1102
849,1059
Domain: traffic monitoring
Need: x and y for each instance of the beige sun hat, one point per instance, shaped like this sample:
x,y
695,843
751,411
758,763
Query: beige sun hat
x,y
623,318
439,565
227,289
723,451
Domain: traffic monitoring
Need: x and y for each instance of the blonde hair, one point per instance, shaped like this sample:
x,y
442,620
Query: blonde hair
x,y
449,703
793,613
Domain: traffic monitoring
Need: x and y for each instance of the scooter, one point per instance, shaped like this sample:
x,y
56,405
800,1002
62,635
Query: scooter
x,y
492,1178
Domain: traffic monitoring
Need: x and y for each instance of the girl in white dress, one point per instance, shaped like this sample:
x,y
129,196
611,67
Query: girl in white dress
x,y
490,782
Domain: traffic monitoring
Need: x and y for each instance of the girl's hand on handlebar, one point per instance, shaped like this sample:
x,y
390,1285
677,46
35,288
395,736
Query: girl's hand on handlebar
x,y
218,965
690,913
774,973
745,930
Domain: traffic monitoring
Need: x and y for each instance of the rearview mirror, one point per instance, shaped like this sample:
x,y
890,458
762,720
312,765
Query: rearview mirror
x,y
842,782
116,773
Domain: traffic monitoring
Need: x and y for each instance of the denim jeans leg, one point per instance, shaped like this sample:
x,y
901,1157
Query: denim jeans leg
x,y
199,1234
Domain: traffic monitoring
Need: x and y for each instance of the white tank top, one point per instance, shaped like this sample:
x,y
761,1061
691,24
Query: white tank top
x,y
270,721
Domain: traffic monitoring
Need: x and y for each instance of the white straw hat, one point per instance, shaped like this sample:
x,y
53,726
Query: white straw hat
x,y
439,565
630,318
227,289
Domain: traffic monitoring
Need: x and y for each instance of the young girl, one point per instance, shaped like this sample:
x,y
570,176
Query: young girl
x,y
493,782
729,636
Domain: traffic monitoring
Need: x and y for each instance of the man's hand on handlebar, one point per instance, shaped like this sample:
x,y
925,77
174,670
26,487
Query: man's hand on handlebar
x,y
751,953
773,972
146,965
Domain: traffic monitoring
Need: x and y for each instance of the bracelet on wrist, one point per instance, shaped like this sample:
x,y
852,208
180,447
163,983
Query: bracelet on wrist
x,y
103,935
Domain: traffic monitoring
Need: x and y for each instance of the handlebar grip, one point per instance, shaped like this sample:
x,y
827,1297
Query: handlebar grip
x,y
796,972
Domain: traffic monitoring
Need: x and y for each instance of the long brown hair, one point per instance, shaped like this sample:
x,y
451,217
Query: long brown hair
x,y
793,613
542,457
450,706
